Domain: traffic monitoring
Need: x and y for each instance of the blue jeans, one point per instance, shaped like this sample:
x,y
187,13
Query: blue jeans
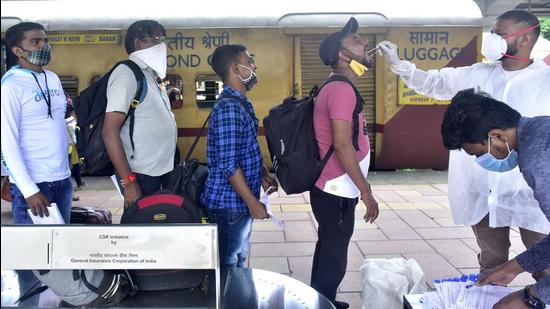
x,y
59,192
234,228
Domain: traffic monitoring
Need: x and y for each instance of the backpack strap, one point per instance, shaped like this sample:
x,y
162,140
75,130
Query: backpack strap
x,y
138,97
197,137
108,286
327,156
204,126
35,289
243,104
313,94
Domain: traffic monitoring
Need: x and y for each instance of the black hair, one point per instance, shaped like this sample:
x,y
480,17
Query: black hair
x,y
522,17
140,30
224,56
16,33
472,115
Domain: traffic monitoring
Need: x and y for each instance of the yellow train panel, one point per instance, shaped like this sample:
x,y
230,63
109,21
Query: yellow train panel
x,y
408,124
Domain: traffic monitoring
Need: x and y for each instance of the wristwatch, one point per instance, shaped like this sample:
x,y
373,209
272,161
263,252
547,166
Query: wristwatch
x,y
532,301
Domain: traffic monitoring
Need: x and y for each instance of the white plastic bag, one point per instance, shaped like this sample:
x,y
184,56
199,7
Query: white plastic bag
x,y
385,281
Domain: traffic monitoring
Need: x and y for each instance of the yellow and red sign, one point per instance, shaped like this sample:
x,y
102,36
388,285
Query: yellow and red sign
x,y
407,96
83,39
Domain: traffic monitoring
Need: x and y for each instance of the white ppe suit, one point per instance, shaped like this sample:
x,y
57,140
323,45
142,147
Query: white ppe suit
x,y
474,191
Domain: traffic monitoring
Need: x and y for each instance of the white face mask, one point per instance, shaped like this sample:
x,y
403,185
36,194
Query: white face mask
x,y
154,57
251,80
494,47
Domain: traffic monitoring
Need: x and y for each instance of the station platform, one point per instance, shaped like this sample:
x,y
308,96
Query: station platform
x,y
414,222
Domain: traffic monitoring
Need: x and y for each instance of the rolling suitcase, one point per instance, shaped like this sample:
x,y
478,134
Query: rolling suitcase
x,y
90,215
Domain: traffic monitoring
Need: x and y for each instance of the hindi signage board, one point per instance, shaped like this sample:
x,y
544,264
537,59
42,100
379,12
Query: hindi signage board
x,y
83,39
407,96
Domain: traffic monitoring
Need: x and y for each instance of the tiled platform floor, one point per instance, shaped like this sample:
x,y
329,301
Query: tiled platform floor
x,y
414,222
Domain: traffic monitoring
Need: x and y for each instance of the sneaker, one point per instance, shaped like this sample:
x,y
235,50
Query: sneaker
x,y
81,187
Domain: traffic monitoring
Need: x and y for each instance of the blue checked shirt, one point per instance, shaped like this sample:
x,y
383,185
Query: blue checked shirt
x,y
231,144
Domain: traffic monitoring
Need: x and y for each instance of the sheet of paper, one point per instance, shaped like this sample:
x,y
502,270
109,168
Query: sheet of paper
x,y
464,295
264,198
432,300
53,218
482,296
113,179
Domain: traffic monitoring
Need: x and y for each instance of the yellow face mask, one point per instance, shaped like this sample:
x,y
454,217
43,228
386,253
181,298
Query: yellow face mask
x,y
358,68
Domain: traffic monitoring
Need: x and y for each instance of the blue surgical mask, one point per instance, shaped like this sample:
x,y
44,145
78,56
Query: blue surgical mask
x,y
489,162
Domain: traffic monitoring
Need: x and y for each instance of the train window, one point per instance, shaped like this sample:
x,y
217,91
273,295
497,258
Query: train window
x,y
208,88
70,85
174,89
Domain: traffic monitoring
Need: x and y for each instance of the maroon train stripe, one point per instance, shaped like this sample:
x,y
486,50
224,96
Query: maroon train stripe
x,y
192,132
378,128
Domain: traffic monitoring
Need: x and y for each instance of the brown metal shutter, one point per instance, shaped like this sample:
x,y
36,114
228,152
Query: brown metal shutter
x,y
314,72
70,85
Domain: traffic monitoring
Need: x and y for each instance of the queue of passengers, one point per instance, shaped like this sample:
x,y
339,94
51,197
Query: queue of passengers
x,y
488,192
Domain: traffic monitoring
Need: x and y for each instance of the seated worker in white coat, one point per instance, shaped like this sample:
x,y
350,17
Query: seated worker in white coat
x,y
491,202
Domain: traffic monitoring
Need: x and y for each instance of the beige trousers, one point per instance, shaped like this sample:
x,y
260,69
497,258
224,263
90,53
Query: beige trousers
x,y
495,245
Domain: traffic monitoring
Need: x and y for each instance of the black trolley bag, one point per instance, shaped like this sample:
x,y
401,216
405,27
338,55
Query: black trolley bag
x,y
91,215
164,207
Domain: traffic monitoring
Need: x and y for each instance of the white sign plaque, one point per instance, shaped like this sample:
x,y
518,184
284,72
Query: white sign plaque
x,y
26,248
134,247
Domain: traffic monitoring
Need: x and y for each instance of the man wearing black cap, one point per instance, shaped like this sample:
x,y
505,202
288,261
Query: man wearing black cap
x,y
338,122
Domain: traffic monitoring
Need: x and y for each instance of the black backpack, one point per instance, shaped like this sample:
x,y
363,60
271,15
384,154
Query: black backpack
x,y
189,176
291,139
165,207
90,108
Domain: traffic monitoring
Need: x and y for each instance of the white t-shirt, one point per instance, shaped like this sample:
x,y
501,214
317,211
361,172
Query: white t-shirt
x,y
34,145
